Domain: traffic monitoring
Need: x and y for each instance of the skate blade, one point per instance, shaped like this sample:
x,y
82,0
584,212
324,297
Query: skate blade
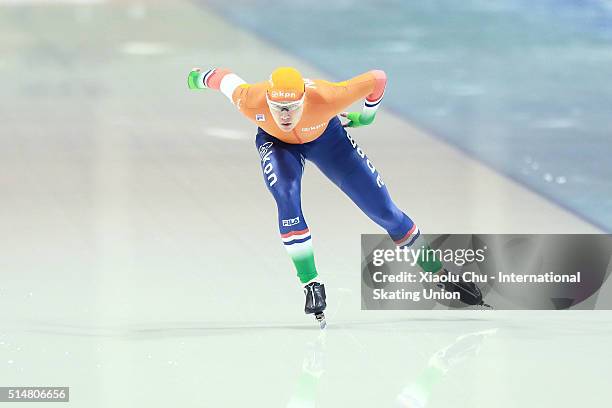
x,y
321,319
486,306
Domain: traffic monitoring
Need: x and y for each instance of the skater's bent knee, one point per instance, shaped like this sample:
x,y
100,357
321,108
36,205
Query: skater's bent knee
x,y
287,191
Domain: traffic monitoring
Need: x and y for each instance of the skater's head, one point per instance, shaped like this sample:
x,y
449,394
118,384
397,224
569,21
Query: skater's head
x,y
285,96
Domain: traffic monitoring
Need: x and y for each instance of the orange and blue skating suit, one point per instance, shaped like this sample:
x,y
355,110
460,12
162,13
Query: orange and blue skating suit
x,y
320,138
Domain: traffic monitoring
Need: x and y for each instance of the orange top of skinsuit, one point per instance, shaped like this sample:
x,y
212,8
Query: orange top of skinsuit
x,y
323,101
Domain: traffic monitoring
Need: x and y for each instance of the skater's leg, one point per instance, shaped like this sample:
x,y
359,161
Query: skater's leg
x,y
337,155
282,166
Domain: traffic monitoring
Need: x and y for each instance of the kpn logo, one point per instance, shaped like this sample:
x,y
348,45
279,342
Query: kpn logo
x,y
283,94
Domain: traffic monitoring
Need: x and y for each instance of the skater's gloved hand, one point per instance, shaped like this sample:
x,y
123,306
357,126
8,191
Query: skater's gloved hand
x,y
356,119
196,78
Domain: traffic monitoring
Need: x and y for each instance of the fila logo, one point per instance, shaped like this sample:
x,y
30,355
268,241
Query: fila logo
x,y
291,221
260,117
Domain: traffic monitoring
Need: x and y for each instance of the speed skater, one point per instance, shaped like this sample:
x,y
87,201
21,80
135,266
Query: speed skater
x,y
297,120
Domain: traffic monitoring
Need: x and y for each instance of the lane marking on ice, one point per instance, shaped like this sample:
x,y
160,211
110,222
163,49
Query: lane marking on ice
x,y
144,48
225,133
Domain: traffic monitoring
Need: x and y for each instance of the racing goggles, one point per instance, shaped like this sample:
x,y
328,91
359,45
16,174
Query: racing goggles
x,y
288,106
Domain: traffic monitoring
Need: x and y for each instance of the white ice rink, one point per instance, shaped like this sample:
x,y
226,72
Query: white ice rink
x,y
140,260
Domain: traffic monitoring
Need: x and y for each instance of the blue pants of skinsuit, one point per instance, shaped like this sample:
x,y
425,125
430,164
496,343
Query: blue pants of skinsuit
x,y
337,155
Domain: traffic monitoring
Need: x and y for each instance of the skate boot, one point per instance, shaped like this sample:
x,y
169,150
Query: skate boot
x,y
315,301
469,293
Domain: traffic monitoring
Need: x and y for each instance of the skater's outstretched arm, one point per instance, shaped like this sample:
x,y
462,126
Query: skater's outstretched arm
x,y
221,79
370,86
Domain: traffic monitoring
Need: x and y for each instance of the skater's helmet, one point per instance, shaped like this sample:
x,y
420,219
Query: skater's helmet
x,y
286,89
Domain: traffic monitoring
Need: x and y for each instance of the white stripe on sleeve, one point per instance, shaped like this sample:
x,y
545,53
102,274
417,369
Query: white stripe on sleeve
x,y
229,83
